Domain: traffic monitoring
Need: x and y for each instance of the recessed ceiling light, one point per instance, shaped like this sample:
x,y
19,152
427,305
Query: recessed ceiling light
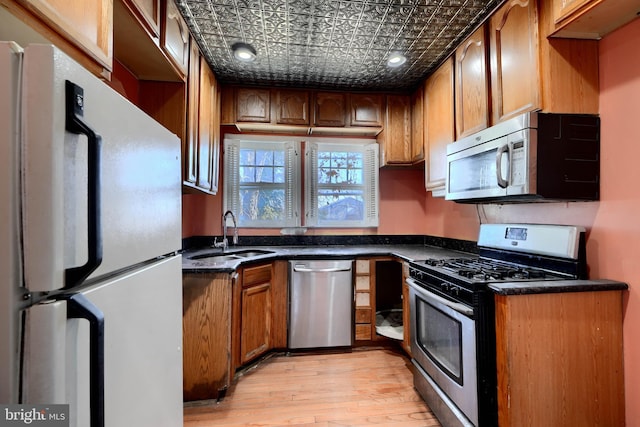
x,y
396,59
243,52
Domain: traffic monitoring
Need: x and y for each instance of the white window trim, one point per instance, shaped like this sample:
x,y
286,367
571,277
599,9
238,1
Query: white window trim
x,y
231,199
369,148
295,180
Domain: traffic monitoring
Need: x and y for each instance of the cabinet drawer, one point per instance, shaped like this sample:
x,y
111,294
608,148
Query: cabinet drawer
x,y
362,283
363,315
363,332
255,275
362,266
363,299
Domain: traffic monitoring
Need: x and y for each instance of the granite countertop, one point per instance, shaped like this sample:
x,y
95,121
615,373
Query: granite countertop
x,y
192,264
195,260
556,286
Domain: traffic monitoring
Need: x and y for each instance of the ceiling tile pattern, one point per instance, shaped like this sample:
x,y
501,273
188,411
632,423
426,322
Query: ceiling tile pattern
x,y
331,44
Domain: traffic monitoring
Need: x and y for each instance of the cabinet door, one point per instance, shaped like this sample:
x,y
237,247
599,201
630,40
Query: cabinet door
x,y
417,125
190,150
472,85
330,109
396,136
292,107
279,304
439,118
563,8
366,110
175,37
86,24
575,340
253,105
208,131
148,14
256,322
515,68
206,335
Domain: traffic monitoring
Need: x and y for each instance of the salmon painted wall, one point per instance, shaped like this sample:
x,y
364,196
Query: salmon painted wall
x,y
402,209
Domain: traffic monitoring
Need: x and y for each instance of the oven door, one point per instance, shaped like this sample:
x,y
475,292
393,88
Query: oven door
x,y
443,344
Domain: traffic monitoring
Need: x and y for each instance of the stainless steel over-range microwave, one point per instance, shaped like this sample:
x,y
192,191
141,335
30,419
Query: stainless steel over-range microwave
x,y
532,157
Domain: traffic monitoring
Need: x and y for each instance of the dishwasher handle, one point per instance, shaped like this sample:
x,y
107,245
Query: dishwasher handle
x,y
319,270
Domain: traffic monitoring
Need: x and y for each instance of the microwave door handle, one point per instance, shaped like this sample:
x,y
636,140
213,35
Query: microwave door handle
x,y
502,183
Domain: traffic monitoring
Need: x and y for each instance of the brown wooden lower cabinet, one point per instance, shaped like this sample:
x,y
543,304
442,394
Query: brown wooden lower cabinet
x,y
259,320
560,360
255,323
206,311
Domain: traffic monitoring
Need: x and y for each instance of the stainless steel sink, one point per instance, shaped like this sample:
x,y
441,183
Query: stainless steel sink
x,y
216,258
221,258
250,253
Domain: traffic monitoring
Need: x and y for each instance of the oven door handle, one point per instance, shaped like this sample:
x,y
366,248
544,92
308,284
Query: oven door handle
x,y
437,299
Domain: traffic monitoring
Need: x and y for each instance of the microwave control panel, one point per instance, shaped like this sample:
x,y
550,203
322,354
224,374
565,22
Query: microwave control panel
x,y
518,162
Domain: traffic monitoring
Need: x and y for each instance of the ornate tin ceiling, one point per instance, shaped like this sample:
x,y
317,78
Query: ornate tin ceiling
x,y
336,44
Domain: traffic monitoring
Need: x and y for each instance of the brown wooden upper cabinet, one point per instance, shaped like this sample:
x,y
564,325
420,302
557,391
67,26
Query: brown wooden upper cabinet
x,y
522,57
330,109
417,125
148,14
296,110
472,85
439,125
208,131
190,144
151,39
591,19
292,107
175,37
81,28
201,145
395,138
515,68
253,105
366,109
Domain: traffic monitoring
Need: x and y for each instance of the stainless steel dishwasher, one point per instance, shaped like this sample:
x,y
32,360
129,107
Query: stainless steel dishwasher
x,y
320,303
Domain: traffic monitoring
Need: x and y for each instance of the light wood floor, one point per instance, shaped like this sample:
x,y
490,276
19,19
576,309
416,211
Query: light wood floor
x,y
365,387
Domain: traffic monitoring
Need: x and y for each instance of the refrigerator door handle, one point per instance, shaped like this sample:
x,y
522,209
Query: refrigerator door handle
x,y
75,124
79,307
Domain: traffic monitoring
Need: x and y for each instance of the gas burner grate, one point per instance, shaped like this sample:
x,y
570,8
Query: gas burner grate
x,y
487,270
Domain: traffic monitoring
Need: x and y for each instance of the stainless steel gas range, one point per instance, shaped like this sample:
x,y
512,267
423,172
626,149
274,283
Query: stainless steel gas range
x,y
452,313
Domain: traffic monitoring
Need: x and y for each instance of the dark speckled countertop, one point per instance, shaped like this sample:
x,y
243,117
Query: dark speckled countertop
x,y
555,286
406,251
192,261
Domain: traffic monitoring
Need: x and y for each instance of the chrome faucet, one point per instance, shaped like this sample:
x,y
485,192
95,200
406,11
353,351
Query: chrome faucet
x,y
224,243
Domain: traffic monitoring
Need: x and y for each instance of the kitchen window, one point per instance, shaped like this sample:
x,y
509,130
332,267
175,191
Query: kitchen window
x,y
341,184
263,182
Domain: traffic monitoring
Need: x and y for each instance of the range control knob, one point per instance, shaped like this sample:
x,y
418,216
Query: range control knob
x,y
444,287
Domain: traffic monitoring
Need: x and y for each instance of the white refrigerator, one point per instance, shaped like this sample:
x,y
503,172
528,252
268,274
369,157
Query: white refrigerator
x,y
90,233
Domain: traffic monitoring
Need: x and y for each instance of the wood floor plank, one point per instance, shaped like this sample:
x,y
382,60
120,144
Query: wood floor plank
x,y
363,387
